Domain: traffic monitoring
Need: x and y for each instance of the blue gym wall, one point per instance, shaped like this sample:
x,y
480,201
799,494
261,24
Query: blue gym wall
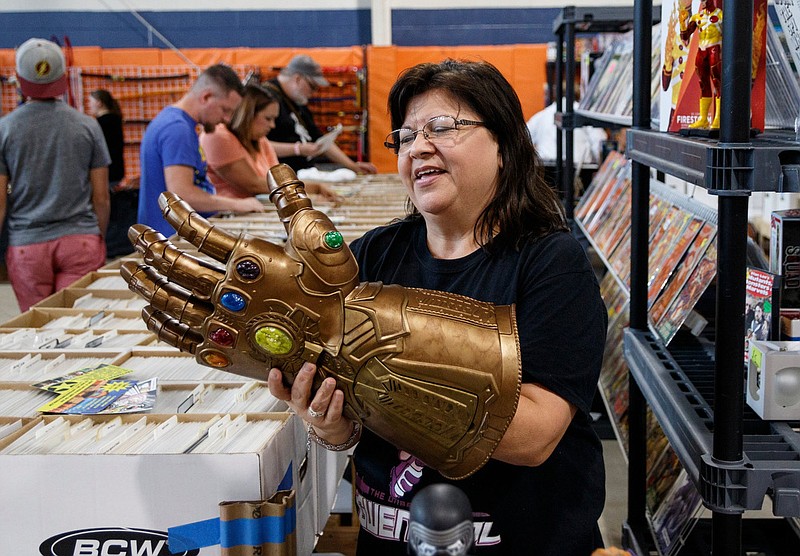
x,y
278,28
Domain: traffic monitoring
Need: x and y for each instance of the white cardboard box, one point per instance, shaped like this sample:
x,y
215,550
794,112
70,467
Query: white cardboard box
x,y
45,496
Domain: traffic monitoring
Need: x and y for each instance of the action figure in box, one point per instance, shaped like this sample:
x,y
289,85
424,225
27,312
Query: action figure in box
x,y
692,66
707,22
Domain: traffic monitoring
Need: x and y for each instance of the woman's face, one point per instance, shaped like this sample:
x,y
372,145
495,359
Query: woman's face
x,y
455,178
94,106
264,121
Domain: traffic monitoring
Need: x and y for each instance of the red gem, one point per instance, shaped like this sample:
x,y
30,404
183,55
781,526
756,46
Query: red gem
x,y
222,337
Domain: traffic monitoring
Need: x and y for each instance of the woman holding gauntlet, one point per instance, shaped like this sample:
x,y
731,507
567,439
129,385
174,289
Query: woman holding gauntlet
x,y
485,225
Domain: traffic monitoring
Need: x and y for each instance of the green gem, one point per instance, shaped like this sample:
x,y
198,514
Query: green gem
x,y
334,240
274,340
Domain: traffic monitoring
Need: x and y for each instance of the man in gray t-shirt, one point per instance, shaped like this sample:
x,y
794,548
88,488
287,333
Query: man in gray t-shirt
x,y
53,181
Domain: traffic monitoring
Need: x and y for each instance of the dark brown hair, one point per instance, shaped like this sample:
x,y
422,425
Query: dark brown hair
x,y
254,100
107,99
524,205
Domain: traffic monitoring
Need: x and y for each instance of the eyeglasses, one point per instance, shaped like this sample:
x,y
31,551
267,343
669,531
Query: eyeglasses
x,y
314,86
438,130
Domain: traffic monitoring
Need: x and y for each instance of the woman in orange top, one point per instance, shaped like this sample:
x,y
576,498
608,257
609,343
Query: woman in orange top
x,y
239,154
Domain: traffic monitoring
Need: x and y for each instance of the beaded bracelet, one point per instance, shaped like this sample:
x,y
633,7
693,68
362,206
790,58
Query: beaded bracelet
x,y
346,445
297,148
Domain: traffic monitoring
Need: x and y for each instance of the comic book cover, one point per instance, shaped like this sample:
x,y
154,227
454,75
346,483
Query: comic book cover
x,y
762,307
87,397
663,469
616,188
90,374
663,238
691,66
676,515
666,262
684,302
141,396
620,258
698,247
659,209
619,220
599,185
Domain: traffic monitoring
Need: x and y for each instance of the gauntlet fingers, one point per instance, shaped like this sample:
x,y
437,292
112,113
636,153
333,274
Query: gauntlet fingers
x,y
165,296
193,274
171,331
209,239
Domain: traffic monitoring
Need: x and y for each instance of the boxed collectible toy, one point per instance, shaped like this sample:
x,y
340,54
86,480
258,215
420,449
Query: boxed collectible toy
x,y
773,380
691,46
784,255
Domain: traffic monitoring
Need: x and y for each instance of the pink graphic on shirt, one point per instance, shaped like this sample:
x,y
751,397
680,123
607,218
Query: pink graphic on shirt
x,y
406,474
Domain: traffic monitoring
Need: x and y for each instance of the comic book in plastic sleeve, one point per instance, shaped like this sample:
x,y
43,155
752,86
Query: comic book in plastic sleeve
x,y
676,516
87,397
668,260
696,250
683,304
620,259
608,235
611,188
604,211
597,188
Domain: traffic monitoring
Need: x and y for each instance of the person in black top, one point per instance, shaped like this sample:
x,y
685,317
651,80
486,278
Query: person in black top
x,y
483,224
124,199
295,131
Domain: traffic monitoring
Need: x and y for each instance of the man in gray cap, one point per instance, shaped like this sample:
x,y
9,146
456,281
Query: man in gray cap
x,y
53,180
295,131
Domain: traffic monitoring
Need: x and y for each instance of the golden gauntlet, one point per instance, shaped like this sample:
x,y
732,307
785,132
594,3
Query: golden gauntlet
x,y
435,374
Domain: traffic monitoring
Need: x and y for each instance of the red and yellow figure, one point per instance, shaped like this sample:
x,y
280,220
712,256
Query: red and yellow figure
x,y
707,23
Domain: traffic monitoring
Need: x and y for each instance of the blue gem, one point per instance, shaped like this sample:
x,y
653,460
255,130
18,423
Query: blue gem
x,y
232,301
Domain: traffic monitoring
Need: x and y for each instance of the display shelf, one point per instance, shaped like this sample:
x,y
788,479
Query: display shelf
x,y
598,119
734,460
580,118
770,162
568,22
595,19
678,385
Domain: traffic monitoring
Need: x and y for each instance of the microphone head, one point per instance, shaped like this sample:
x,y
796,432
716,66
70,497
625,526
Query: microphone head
x,y
440,522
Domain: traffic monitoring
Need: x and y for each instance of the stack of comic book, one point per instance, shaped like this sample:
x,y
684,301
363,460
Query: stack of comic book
x,y
609,91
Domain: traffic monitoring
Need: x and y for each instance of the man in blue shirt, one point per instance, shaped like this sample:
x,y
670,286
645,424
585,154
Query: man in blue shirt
x,y
171,157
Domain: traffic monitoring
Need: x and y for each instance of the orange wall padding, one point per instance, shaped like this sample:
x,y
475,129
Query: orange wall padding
x,y
522,64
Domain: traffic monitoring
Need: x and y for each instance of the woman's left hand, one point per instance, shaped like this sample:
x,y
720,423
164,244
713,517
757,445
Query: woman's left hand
x,y
322,410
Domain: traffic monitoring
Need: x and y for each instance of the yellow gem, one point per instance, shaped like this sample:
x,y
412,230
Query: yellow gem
x,y
274,340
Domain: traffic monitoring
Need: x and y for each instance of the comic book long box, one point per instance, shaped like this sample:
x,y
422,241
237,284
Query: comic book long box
x,y
784,255
679,103
109,497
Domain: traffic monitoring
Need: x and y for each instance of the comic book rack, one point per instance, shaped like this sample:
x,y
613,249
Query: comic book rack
x,y
696,388
682,264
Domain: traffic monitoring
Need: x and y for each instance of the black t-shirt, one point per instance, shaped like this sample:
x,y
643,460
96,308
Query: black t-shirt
x,y
294,123
551,509
111,124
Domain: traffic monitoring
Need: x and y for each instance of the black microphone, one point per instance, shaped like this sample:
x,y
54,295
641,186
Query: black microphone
x,y
440,522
